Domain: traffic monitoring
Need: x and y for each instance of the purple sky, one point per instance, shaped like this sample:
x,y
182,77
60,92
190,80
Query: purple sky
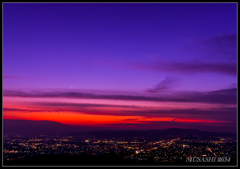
x,y
155,52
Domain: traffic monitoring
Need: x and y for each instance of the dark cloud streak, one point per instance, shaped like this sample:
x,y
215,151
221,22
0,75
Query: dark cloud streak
x,y
225,45
192,67
224,96
167,83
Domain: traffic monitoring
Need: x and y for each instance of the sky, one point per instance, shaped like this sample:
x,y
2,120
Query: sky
x,y
121,66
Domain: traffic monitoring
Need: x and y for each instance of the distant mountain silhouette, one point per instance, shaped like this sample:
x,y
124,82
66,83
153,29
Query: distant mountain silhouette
x,y
33,127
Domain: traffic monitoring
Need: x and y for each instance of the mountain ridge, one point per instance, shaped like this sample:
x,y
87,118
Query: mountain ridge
x,y
45,127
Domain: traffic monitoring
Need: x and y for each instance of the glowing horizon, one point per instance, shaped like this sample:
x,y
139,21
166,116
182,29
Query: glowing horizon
x,y
134,65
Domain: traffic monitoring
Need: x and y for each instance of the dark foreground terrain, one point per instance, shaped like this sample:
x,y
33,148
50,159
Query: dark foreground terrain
x,y
84,159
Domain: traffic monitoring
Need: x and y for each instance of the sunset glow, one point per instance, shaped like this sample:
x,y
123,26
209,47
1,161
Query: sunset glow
x,y
121,66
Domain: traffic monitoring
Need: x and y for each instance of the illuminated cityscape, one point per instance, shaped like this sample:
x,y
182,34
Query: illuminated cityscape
x,y
135,150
